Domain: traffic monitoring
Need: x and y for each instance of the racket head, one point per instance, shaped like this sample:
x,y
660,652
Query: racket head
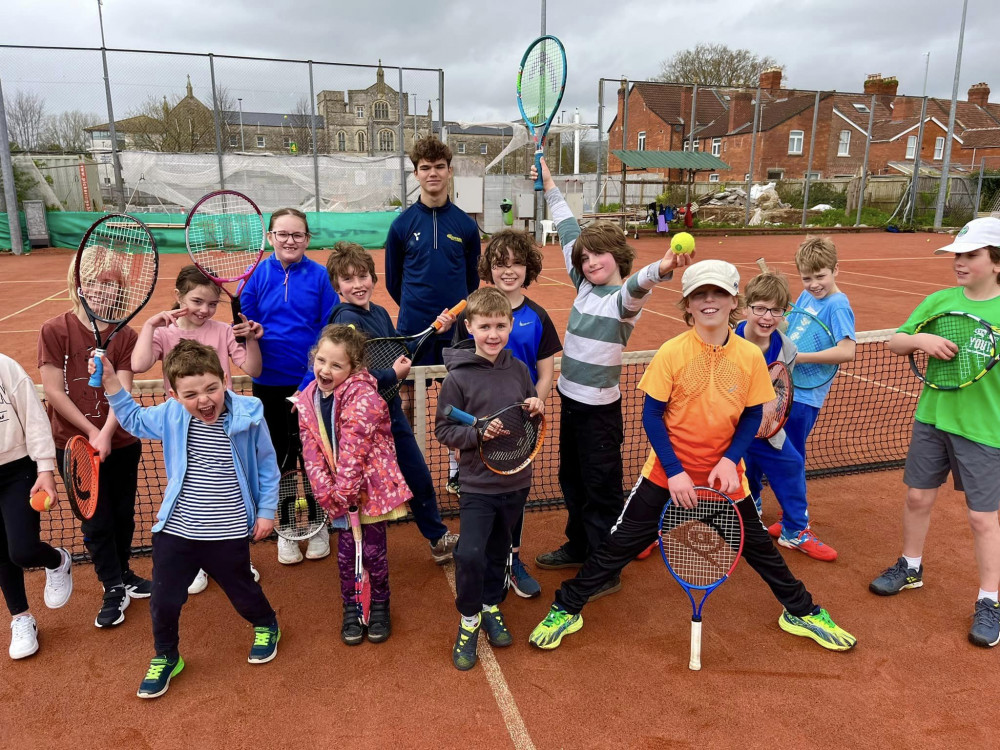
x,y
299,515
81,474
380,354
776,411
701,545
115,268
520,438
809,334
977,351
541,81
224,234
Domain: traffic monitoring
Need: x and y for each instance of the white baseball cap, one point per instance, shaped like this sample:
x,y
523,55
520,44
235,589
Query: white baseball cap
x,y
974,235
711,273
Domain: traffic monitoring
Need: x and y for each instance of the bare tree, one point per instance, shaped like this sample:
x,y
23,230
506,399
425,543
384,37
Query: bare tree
x,y
715,65
26,120
65,131
300,127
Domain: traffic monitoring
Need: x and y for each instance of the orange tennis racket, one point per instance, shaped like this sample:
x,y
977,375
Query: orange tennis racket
x,y
81,472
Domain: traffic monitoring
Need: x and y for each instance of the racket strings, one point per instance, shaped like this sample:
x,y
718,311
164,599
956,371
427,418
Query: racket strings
x,y
117,268
516,440
296,520
776,410
976,349
702,544
225,236
809,336
541,81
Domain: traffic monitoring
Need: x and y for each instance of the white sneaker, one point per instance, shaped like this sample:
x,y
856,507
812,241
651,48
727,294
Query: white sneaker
x,y
319,545
200,582
58,583
288,551
23,637
256,573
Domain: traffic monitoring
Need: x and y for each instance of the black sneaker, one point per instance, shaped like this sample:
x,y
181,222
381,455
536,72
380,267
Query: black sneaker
x,y
463,655
112,612
136,586
454,485
379,624
609,587
896,578
351,632
985,630
265,644
157,678
495,628
557,559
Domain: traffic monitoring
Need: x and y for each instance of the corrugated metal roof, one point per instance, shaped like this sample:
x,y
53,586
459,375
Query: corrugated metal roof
x,y
695,160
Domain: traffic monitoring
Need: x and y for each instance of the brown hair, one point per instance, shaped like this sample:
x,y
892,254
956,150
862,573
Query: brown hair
x,y
346,257
486,302
350,337
188,278
735,315
604,237
288,212
521,246
768,285
189,358
431,149
815,254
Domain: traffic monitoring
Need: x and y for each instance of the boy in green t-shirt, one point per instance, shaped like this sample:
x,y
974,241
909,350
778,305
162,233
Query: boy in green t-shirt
x,y
957,431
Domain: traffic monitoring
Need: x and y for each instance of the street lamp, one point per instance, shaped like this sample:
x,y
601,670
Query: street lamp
x,y
242,145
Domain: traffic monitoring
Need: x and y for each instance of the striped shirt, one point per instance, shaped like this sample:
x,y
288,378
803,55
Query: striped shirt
x,y
601,321
210,505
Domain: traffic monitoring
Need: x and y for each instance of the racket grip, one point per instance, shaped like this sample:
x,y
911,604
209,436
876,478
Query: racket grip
x,y
456,310
457,415
538,169
241,340
695,663
95,378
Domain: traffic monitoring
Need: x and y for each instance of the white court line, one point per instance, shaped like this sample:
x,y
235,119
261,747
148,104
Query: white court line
x,y
498,684
50,298
880,384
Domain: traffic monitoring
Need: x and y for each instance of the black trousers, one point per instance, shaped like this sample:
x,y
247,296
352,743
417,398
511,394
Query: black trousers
x,y
638,528
176,561
590,472
282,422
108,535
483,548
20,546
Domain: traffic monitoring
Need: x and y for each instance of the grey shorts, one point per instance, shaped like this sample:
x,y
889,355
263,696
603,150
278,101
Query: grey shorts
x,y
973,466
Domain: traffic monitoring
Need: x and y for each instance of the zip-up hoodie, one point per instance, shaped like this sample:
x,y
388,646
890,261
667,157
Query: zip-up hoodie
x,y
253,453
292,304
480,387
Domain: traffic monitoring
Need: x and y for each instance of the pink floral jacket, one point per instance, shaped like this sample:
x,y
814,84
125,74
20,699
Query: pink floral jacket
x,y
358,464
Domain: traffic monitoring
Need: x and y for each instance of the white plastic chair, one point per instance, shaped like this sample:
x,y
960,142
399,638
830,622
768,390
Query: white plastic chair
x,y
548,228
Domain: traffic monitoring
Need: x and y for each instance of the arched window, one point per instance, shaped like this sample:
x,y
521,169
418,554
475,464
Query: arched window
x,y
362,141
381,110
342,141
385,140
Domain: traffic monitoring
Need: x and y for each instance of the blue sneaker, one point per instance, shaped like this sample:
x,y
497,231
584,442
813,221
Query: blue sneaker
x,y
157,678
985,629
896,578
496,629
521,580
463,655
265,644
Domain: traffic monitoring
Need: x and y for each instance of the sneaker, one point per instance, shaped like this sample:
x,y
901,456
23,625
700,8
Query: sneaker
x,y
496,629
200,582
558,558
265,644
608,587
379,623
59,582
647,552
351,631
896,578
805,541
136,586
820,628
319,545
443,550
775,529
454,488
288,551
157,678
985,629
116,601
557,623
23,637
524,585
256,573
463,656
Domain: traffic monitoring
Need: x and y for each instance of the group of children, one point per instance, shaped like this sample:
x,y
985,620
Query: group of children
x,y
703,397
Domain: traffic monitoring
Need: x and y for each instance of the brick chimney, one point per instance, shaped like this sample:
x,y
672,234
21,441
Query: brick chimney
x,y
979,93
905,107
873,83
740,108
770,79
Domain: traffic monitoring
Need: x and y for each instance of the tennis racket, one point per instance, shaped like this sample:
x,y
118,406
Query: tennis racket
x,y
541,80
362,585
224,234
299,515
977,351
81,472
701,547
508,440
776,412
810,334
114,272
381,353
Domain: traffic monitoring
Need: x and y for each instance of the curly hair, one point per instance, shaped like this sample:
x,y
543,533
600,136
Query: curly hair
x,y
520,246
431,149
349,337
346,257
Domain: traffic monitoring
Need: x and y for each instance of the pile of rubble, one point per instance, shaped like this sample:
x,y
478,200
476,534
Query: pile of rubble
x,y
729,205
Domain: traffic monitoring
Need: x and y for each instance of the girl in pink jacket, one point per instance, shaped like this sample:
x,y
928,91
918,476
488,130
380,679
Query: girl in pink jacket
x,y
351,460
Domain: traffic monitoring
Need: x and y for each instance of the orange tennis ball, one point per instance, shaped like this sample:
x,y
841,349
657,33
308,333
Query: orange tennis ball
x,y
682,243
41,501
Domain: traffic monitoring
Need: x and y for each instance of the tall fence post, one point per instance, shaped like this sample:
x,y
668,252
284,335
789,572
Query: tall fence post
x,y
979,188
915,186
809,165
600,140
315,139
864,167
402,144
215,120
9,190
115,160
753,153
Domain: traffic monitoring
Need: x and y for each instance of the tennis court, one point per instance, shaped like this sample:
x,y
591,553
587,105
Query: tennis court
x,y
623,680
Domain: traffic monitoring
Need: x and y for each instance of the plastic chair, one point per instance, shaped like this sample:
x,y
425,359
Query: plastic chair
x,y
548,228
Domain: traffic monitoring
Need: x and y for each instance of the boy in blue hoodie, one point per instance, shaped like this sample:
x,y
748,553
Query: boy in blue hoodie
x,y
222,490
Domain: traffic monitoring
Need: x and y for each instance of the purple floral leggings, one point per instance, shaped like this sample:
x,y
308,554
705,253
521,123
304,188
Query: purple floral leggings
x,y
376,560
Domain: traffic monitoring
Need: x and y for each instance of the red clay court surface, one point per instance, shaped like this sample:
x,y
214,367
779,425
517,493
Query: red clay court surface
x,y
622,681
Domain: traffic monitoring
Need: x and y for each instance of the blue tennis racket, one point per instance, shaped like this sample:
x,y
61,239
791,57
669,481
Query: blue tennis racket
x,y
810,334
541,80
701,547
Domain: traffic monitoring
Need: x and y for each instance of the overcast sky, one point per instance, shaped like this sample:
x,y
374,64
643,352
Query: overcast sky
x,y
478,44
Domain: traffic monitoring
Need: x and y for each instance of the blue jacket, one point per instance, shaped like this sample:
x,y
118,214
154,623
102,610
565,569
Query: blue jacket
x,y
292,304
253,453
436,251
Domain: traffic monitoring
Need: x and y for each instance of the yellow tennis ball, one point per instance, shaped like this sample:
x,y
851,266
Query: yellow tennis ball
x,y
682,243
301,504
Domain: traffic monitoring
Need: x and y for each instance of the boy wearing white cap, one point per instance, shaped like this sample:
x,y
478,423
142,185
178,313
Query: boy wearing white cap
x,y
705,391
956,431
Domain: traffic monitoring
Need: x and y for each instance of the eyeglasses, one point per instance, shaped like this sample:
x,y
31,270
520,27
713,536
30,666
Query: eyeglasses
x,y
284,236
777,312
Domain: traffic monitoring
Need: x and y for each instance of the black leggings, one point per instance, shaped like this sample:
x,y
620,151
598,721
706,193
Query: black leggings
x,y
282,422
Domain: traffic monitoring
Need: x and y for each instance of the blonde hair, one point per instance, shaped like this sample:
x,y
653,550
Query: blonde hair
x,y
815,254
74,293
735,315
487,302
349,337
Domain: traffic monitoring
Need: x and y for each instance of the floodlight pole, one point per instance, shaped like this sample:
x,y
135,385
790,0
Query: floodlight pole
x,y
243,146
946,164
115,162
9,190
915,182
